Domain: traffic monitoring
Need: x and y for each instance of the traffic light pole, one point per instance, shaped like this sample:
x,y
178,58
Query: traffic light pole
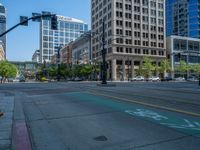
x,y
25,21
104,69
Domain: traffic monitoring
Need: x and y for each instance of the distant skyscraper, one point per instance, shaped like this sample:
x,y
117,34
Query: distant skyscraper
x,y
3,26
183,18
69,29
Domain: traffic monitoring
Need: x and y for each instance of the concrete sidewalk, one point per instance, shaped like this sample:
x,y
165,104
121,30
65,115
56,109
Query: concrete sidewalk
x,y
7,107
13,130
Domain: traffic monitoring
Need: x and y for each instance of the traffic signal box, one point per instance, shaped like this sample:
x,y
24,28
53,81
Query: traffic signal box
x,y
54,23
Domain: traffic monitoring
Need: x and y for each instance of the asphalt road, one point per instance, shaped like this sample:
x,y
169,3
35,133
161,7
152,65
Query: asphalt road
x,y
129,116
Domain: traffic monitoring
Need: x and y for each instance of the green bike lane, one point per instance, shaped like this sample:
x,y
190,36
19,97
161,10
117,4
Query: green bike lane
x,y
189,125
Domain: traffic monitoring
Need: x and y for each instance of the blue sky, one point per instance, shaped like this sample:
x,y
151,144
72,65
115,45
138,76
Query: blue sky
x,y
23,41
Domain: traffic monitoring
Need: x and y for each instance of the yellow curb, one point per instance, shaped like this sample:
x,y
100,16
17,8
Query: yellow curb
x,y
146,104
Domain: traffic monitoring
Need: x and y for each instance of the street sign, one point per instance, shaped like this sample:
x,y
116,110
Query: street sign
x,y
24,20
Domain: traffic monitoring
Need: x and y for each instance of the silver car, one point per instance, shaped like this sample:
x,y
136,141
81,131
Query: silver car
x,y
138,78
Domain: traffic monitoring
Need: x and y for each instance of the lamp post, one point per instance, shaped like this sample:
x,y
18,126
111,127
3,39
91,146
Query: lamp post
x,y
104,69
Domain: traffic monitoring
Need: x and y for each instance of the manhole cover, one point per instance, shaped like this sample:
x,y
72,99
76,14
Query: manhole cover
x,y
1,114
101,138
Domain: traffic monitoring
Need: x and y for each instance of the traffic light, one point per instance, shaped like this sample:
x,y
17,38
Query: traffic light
x,y
54,23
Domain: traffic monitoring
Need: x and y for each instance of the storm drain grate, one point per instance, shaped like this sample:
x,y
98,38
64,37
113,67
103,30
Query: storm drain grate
x,y
101,138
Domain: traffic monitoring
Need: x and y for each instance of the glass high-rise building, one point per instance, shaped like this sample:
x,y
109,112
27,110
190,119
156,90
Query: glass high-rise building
x,y
69,29
3,27
183,18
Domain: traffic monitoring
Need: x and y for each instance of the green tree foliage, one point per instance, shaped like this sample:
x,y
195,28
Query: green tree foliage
x,y
52,71
164,66
197,68
182,67
86,70
7,69
139,71
147,67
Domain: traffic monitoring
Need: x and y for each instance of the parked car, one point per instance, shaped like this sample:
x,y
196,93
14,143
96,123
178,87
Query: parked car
x,y
19,79
180,79
193,79
10,79
166,79
138,78
153,78
78,79
22,79
16,79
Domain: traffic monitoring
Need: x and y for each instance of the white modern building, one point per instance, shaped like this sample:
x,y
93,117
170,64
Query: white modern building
x,y
3,27
68,30
182,48
133,29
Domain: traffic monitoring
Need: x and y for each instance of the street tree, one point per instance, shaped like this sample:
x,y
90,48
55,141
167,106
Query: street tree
x,y
139,71
86,70
147,67
164,67
182,67
197,69
7,70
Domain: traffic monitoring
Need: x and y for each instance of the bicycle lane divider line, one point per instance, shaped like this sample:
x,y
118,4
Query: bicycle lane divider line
x,y
147,104
185,125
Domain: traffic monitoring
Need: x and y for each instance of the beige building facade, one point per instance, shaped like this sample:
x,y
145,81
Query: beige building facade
x,y
2,54
66,54
134,29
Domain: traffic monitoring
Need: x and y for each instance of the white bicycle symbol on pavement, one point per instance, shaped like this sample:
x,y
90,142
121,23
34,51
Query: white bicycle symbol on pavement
x,y
185,123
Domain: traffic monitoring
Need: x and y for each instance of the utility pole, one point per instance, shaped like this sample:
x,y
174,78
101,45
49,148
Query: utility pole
x,y
104,69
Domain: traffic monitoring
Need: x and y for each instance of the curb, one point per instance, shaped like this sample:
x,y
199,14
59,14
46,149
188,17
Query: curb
x,y
20,135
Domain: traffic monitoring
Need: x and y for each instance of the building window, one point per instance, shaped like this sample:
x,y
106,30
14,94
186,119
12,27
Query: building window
x,y
137,51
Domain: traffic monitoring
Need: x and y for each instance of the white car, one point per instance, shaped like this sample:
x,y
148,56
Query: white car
x,y
193,79
138,78
153,78
180,79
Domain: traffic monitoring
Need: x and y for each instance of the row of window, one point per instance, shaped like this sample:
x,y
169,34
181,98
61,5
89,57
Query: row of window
x,y
138,26
137,9
144,2
67,25
138,34
153,20
138,42
139,51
